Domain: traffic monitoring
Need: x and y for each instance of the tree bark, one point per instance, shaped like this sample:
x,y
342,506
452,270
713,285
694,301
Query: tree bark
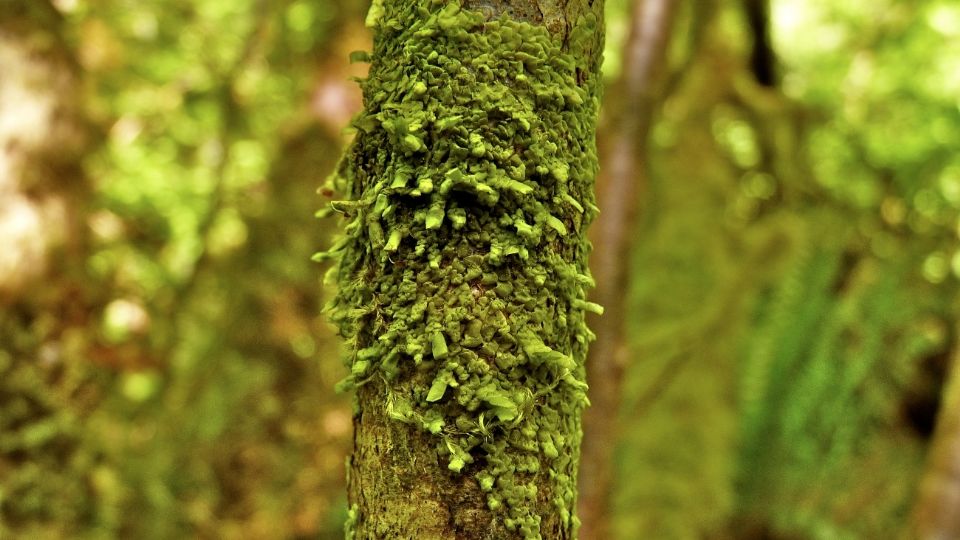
x,y
935,513
763,59
462,273
629,114
42,137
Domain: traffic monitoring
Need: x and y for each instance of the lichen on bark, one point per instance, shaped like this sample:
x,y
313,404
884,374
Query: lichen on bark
x,y
462,272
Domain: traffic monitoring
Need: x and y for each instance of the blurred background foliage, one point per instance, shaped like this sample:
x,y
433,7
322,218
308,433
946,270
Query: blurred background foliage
x,y
167,374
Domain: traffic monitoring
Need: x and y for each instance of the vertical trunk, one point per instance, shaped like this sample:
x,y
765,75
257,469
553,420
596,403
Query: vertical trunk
x,y
763,61
42,190
41,139
630,113
462,274
935,513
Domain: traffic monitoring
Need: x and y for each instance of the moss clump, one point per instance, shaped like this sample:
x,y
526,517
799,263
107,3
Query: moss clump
x,y
462,273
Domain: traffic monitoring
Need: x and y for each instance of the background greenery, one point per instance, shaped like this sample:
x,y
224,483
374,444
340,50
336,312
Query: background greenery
x,y
793,307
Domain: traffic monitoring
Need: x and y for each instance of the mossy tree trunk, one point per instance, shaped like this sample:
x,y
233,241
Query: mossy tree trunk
x,y
462,275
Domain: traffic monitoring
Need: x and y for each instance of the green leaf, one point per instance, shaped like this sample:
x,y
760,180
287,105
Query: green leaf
x,y
593,308
456,464
573,202
434,216
359,57
518,187
438,388
394,241
549,449
439,345
433,422
556,224
458,457
486,481
360,367
399,409
505,414
502,406
412,142
539,352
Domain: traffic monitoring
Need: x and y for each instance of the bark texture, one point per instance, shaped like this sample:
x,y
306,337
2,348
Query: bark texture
x,y
629,114
462,275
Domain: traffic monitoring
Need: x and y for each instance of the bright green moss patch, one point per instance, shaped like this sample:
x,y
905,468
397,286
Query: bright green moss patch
x,y
462,274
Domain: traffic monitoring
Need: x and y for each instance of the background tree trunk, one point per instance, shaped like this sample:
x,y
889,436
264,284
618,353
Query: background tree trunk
x,y
43,191
462,276
42,137
935,512
629,115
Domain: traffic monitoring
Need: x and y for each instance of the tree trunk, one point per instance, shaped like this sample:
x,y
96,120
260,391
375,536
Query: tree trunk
x,y
629,115
43,136
41,140
763,59
936,513
462,274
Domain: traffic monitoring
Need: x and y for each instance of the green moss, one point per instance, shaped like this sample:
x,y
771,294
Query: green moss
x,y
462,274
349,522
